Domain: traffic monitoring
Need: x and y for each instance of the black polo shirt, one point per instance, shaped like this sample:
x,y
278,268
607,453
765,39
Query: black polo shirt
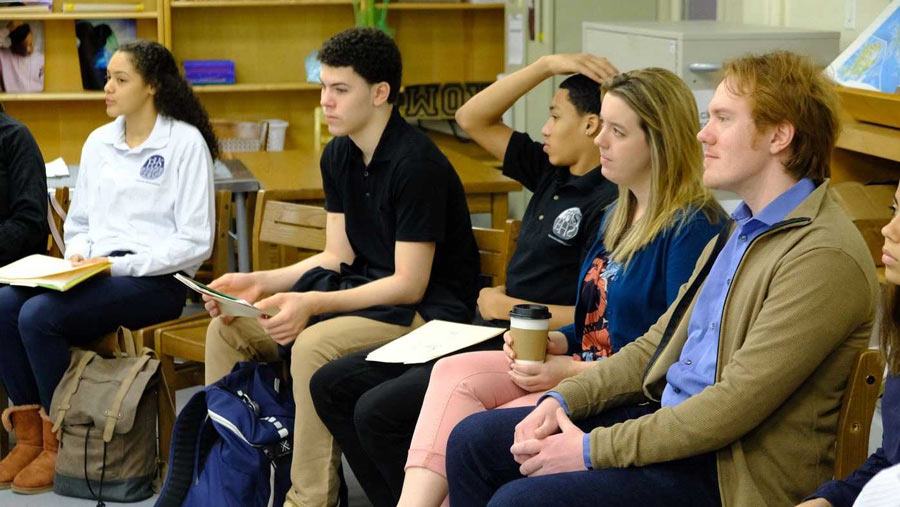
x,y
409,192
23,193
560,223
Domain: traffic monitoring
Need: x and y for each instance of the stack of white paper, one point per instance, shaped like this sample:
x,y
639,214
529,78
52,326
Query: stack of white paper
x,y
431,341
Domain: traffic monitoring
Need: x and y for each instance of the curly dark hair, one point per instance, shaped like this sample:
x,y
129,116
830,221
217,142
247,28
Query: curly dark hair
x,y
174,96
584,93
370,52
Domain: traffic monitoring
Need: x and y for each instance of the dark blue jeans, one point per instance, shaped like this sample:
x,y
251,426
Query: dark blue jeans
x,y
37,326
481,470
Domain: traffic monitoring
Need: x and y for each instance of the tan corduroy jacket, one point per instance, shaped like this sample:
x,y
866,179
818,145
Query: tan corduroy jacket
x,y
800,307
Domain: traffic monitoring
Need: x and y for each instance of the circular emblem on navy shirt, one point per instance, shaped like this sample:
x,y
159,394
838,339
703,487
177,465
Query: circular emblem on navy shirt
x,y
153,167
566,224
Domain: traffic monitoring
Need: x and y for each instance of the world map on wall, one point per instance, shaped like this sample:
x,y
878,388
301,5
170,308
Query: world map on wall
x,y
873,60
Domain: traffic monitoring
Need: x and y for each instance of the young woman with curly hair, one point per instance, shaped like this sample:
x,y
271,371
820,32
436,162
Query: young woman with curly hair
x,y
144,202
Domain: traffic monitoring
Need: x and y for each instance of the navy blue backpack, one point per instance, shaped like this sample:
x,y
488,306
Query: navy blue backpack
x,y
231,445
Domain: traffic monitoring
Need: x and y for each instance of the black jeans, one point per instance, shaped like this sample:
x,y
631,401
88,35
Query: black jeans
x,y
481,470
371,409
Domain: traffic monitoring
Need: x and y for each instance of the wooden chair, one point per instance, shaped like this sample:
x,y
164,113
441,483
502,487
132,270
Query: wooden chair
x,y
294,225
217,264
857,408
57,209
495,247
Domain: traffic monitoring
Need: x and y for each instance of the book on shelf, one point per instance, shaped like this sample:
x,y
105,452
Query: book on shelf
x,y
98,39
49,272
21,54
103,7
7,8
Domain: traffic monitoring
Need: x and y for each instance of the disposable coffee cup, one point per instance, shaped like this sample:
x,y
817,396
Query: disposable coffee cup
x,y
529,325
277,128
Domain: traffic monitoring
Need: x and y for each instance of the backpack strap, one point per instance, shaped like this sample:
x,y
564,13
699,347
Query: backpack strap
x,y
113,413
124,339
67,398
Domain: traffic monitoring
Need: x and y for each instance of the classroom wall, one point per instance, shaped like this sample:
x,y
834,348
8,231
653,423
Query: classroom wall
x,y
817,14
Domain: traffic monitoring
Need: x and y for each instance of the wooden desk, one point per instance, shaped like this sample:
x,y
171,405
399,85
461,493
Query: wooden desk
x,y
469,148
297,173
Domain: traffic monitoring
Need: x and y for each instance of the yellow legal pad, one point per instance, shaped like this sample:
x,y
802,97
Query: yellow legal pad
x,y
49,272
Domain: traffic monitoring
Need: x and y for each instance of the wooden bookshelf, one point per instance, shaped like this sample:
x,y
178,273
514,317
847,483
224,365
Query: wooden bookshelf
x,y
440,42
50,97
256,87
62,116
868,148
185,4
52,16
436,6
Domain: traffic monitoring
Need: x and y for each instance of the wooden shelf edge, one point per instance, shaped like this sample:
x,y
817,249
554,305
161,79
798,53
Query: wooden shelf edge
x,y
256,87
98,95
50,96
870,139
252,3
61,16
408,6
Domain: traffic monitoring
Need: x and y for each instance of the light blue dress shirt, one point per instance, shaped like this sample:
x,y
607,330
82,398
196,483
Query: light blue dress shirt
x,y
696,368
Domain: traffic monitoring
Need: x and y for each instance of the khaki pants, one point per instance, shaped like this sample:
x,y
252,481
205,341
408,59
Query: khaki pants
x,y
314,476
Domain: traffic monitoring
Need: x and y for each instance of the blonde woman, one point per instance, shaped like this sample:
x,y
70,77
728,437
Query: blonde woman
x,y
649,243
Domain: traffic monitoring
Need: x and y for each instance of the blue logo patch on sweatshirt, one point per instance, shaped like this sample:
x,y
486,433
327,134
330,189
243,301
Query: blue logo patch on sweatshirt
x,y
153,168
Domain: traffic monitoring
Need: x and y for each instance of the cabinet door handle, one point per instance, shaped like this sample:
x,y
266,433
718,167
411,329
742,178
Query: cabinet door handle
x,y
705,67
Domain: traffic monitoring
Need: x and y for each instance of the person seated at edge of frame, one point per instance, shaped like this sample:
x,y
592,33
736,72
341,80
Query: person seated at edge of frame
x,y
877,482
23,192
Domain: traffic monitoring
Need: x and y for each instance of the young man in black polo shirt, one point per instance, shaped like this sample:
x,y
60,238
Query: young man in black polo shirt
x,y
372,408
399,251
563,216
23,193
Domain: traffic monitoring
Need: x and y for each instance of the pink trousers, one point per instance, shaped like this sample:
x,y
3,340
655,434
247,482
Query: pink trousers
x,y
460,386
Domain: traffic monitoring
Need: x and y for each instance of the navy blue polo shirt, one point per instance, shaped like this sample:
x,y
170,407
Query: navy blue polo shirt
x,y
408,192
559,224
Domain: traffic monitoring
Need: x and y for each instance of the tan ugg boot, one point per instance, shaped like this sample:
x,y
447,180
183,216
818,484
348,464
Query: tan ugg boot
x,y
37,477
26,422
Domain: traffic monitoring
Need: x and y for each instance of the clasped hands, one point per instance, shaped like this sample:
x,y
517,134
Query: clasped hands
x,y
546,441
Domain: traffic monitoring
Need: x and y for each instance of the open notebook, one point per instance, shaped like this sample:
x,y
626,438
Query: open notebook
x,y
49,272
435,339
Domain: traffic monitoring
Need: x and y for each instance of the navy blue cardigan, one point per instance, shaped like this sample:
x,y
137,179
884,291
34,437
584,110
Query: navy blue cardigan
x,y
639,294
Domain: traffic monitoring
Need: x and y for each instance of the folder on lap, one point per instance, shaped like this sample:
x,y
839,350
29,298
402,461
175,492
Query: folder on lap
x,y
435,339
49,272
